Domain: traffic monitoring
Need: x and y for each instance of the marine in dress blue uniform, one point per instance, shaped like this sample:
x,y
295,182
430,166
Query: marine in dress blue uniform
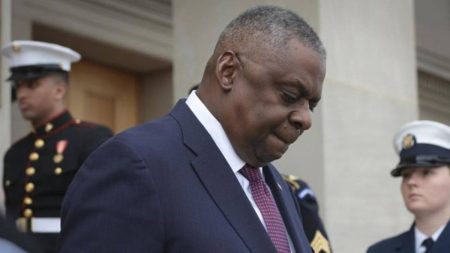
x,y
39,167
424,151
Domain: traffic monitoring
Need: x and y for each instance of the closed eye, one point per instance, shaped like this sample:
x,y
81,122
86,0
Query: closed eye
x,y
289,97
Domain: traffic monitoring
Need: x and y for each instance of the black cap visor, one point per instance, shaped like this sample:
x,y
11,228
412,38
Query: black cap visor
x,y
420,161
33,72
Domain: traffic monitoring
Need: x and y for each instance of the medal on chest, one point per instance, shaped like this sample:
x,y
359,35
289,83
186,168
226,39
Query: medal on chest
x,y
60,147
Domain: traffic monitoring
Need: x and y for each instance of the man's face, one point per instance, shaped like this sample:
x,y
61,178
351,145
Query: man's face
x,y
426,190
37,98
272,98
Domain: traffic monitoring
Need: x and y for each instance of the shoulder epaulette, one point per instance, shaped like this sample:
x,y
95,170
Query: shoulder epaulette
x,y
292,181
83,123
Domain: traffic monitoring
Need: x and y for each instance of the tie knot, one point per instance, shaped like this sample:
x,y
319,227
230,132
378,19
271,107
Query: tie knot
x,y
251,173
428,243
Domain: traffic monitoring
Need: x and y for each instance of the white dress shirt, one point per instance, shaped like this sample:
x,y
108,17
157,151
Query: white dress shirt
x,y
217,133
420,237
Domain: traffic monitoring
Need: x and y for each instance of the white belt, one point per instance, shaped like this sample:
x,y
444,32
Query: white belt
x,y
40,224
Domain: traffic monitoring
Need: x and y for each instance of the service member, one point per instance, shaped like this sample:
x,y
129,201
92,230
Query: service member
x,y
39,167
424,150
309,212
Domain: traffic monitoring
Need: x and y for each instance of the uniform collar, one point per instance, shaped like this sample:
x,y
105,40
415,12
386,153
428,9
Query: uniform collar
x,y
57,122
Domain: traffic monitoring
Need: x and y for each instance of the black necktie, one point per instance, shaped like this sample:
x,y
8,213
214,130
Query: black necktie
x,y
428,243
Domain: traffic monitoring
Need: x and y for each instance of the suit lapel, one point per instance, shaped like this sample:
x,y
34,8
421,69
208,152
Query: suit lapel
x,y
287,209
443,242
221,183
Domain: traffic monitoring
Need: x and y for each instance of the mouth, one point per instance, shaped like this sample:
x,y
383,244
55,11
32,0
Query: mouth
x,y
23,106
413,196
288,138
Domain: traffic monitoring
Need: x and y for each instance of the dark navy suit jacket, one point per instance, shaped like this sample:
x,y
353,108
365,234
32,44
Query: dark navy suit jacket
x,y
405,243
164,186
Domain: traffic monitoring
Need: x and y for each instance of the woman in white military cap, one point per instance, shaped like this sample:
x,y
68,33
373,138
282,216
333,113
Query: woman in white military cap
x,y
424,151
39,167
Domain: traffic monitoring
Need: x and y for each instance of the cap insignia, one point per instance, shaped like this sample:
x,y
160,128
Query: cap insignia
x,y
408,141
16,47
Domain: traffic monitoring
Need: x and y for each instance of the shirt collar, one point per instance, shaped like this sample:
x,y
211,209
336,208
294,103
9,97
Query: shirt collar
x,y
215,130
54,124
420,237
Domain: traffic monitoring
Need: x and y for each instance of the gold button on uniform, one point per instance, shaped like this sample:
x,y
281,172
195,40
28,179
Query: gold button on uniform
x,y
58,158
39,143
29,187
28,201
58,171
30,171
48,127
27,213
34,156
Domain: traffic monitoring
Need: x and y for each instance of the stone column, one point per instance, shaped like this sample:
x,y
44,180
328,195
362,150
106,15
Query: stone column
x,y
370,92
5,91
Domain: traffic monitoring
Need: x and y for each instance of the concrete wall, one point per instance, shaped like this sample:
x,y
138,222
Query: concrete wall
x,y
156,95
370,91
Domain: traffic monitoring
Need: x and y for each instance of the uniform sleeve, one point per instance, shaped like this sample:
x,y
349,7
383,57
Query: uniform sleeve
x,y
111,205
310,210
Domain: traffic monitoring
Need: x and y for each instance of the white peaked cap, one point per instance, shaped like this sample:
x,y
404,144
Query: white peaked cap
x,y
28,53
425,132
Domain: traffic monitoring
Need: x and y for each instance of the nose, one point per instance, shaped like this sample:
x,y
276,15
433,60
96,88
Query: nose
x,y
300,117
412,179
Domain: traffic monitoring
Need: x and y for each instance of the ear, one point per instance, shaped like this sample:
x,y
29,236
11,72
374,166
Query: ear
x,y
60,90
227,66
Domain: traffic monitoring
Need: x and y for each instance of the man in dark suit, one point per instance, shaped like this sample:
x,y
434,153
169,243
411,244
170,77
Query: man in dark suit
x,y
424,150
39,167
199,179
